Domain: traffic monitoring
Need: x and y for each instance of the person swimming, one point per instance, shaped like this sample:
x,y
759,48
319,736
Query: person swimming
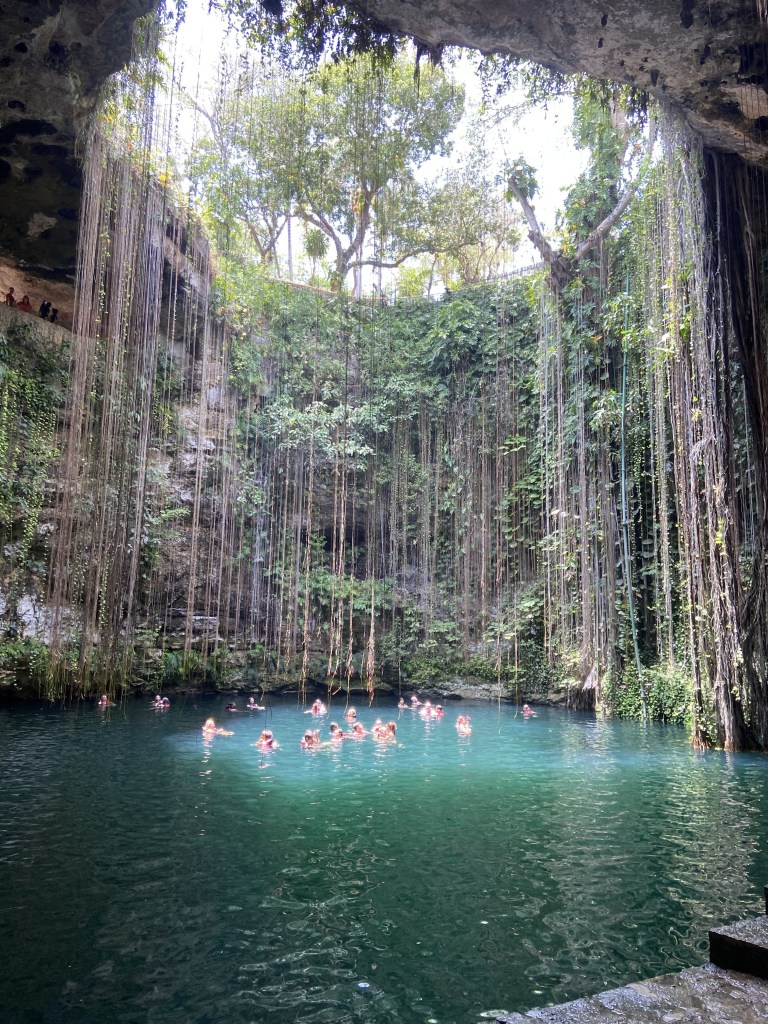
x,y
104,701
318,708
253,706
231,706
310,740
415,702
358,732
350,714
463,726
528,712
386,733
401,705
210,729
266,741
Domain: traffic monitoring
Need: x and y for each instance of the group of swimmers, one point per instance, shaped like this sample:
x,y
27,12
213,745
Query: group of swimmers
x,y
250,706
426,710
381,732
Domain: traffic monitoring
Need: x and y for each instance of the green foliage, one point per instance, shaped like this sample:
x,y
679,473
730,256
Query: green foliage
x,y
305,30
24,657
668,693
525,177
500,73
31,387
338,148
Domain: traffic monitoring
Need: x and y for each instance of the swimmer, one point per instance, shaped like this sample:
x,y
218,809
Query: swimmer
x,y
104,701
210,729
166,702
386,734
157,702
527,712
415,702
358,732
266,741
308,741
401,705
253,706
350,714
231,706
439,713
426,710
318,708
463,727
337,733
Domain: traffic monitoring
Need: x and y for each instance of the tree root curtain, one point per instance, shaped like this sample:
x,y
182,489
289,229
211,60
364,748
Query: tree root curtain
x,y
341,490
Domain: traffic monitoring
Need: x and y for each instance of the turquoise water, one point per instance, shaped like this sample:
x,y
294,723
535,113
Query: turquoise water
x,y
148,876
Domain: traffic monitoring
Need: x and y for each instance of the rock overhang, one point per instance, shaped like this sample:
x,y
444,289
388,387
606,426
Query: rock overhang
x,y
707,61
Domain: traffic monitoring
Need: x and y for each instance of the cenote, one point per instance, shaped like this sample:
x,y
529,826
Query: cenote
x,y
150,876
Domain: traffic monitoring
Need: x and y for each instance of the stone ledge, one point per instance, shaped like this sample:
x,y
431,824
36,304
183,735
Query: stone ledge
x,y
741,947
697,995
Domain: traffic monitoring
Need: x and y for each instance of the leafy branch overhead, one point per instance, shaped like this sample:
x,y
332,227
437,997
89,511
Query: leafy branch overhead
x,y
340,152
620,160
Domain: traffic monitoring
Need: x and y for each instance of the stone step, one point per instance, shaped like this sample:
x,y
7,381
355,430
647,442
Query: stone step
x,y
697,995
741,947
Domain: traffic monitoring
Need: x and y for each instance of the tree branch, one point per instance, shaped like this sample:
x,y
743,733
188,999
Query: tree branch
x,y
605,225
535,234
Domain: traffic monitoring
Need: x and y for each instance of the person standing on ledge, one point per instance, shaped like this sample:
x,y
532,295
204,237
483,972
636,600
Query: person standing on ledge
x,y
10,299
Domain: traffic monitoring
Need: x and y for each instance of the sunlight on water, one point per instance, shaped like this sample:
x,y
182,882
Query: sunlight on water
x,y
149,875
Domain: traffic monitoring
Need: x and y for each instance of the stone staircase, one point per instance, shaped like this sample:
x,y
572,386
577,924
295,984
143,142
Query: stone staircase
x,y
731,989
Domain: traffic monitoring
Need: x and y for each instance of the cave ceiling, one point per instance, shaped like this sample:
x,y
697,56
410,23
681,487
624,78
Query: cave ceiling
x,y
53,59
708,61
705,60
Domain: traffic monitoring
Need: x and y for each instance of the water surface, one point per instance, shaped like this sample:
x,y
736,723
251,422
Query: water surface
x,y
148,876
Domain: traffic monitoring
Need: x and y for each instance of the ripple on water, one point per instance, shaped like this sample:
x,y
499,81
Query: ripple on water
x,y
152,877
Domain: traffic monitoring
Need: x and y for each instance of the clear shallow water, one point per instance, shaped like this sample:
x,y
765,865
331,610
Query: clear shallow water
x,y
147,876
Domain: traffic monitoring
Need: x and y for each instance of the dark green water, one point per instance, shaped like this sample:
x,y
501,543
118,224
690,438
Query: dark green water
x,y
149,877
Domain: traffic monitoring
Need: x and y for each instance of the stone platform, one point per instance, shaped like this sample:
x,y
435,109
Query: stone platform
x,y
732,989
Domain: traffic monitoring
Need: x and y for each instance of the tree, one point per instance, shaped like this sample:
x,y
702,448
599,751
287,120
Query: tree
x,y
602,193
475,230
339,149
242,169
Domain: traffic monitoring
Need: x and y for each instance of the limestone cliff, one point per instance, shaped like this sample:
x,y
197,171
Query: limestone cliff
x,y
54,58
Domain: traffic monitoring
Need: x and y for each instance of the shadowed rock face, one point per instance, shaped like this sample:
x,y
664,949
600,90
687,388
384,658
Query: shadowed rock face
x,y
54,57
709,60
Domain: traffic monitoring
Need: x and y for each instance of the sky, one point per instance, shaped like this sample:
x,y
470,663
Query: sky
x,y
542,137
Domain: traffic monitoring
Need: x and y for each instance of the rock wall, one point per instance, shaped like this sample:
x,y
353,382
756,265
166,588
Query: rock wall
x,y
54,57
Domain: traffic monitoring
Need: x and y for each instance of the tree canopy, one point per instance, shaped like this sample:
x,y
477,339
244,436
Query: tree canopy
x,y
340,149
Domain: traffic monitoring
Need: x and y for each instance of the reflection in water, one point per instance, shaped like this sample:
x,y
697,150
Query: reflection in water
x,y
162,876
